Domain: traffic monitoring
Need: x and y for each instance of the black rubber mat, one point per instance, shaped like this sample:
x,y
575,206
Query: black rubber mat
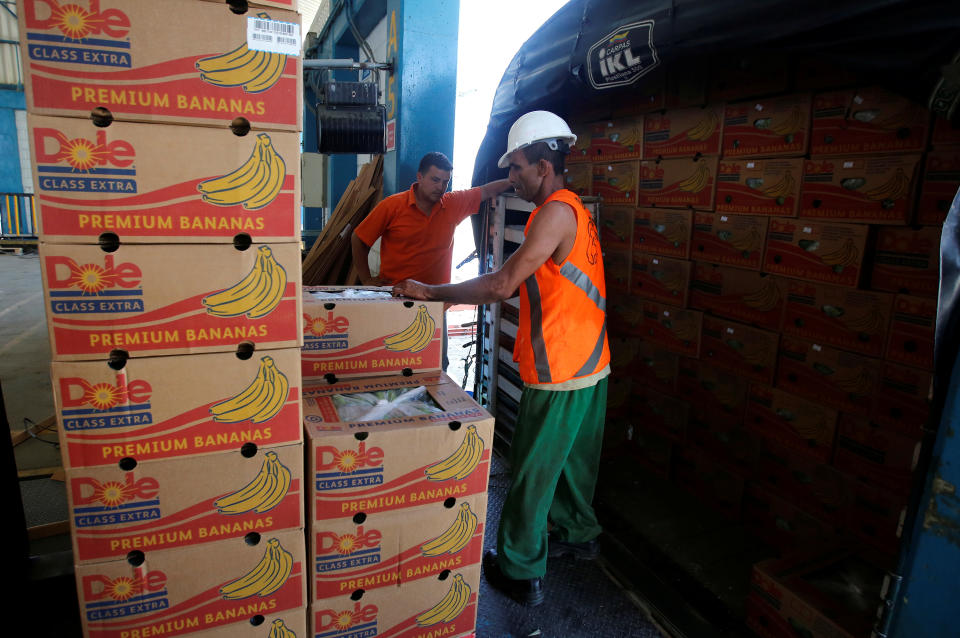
x,y
581,600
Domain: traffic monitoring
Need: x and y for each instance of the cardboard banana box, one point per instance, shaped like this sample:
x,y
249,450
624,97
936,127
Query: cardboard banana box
x,y
660,279
759,187
808,482
912,330
286,624
579,179
625,314
714,482
729,240
386,444
175,503
387,549
678,183
651,449
624,351
170,407
616,140
617,267
780,523
903,403
806,427
291,5
816,251
875,515
616,226
170,299
675,329
744,295
941,181
442,605
179,61
769,127
616,183
841,379
657,368
868,190
875,455
662,413
661,231
750,353
683,132
714,393
907,260
149,183
620,395
867,120
361,332
855,320
172,592
739,446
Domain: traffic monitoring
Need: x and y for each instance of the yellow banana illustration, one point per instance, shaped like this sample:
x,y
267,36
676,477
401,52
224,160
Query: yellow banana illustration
x,y
870,322
254,185
705,127
745,242
765,298
861,383
456,537
255,71
844,256
675,232
260,401
686,331
897,187
629,136
279,630
790,124
414,337
449,607
784,188
256,295
263,493
463,460
265,578
698,180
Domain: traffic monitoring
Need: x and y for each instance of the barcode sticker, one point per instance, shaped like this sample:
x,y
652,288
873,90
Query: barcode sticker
x,y
848,164
273,36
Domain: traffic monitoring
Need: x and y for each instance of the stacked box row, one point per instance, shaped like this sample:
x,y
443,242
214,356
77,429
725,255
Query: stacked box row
x,y
166,172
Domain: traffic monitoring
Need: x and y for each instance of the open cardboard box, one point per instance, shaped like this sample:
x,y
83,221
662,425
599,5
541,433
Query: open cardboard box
x,y
170,299
152,183
381,444
176,61
190,589
362,332
174,503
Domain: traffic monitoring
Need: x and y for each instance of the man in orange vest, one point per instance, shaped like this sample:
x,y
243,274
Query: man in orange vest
x,y
563,356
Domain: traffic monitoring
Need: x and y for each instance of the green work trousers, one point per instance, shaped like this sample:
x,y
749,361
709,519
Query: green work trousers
x,y
554,457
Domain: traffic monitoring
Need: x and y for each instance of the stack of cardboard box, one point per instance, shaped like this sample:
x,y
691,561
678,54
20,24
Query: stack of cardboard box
x,y
399,459
166,171
772,307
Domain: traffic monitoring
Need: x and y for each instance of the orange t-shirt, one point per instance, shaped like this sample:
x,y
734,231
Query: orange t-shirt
x,y
414,245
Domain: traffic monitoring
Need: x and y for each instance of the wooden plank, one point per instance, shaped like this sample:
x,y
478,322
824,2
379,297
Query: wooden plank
x,y
48,529
19,437
39,471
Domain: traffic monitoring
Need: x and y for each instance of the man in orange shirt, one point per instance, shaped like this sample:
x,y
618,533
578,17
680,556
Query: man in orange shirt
x,y
416,226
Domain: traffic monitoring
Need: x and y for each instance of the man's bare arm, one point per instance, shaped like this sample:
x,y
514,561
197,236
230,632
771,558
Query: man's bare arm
x,y
552,225
361,254
492,189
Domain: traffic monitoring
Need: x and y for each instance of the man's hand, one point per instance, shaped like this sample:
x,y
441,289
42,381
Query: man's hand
x,y
412,289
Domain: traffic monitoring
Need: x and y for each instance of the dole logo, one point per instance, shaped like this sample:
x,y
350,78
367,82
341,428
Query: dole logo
x,y
346,461
811,167
656,123
346,544
647,172
75,21
97,587
319,325
342,620
53,147
64,272
781,226
76,392
88,490
729,167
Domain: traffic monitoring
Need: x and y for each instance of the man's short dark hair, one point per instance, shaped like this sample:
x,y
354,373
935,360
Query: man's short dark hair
x,y
439,160
541,150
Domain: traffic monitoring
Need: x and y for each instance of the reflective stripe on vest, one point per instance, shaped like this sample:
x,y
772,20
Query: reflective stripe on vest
x,y
536,330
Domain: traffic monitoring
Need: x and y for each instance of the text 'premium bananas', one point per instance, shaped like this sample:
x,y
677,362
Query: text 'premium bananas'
x,y
462,462
414,337
267,577
450,606
256,295
263,493
456,537
260,401
254,185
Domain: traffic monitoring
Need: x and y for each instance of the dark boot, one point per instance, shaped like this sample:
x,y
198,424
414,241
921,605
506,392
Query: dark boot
x,y
526,591
581,551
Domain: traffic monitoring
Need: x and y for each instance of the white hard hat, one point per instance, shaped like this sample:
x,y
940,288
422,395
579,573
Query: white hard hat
x,y
533,127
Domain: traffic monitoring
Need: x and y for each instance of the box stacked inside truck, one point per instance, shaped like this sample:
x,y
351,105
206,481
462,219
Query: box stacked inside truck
x,y
771,246
167,175
398,463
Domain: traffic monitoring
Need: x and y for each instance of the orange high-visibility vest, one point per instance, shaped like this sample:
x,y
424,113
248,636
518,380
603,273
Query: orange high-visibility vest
x,y
563,329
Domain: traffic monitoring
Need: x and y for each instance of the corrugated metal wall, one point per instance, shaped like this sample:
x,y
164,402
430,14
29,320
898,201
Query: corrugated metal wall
x,y
11,75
